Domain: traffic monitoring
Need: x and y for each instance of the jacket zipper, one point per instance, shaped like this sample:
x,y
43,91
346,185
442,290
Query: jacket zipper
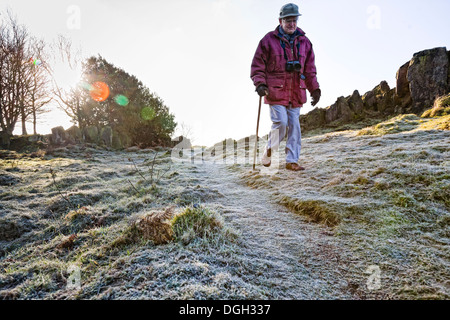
x,y
291,89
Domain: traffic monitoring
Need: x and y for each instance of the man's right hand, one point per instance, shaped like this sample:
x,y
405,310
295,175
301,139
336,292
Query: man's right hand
x,y
262,90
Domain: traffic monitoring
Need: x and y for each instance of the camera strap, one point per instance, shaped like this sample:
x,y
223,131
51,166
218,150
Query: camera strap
x,y
283,45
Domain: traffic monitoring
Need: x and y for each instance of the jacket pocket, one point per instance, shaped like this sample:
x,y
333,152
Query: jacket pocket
x,y
301,95
277,89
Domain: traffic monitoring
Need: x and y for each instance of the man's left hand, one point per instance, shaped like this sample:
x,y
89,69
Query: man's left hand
x,y
316,97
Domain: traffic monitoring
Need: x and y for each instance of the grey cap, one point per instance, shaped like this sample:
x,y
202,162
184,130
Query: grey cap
x,y
289,10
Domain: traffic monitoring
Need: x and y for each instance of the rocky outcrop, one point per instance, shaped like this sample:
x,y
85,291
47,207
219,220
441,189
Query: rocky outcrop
x,y
356,104
106,136
428,77
340,111
402,88
314,119
58,135
5,140
28,144
419,82
103,137
75,134
91,134
350,109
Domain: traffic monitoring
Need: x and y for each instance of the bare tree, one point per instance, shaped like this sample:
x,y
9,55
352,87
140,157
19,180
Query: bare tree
x,y
12,69
24,87
69,100
40,82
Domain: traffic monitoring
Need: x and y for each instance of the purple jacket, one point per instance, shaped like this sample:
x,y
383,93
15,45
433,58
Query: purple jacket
x,y
269,68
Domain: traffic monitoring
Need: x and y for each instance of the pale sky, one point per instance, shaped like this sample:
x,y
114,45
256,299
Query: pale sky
x,y
196,54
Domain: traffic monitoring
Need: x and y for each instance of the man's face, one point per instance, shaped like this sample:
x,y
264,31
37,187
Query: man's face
x,y
289,24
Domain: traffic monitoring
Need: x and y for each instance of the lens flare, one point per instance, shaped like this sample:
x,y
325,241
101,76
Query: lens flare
x,y
99,91
85,85
35,62
121,100
147,113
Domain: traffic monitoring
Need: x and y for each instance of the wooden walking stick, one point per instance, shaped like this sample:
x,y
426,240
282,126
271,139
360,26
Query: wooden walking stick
x,y
257,131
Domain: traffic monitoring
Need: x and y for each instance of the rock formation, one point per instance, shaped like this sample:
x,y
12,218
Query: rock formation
x,y
103,137
420,81
428,77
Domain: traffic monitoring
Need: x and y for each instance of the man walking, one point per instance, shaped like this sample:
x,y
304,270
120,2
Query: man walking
x,y
282,69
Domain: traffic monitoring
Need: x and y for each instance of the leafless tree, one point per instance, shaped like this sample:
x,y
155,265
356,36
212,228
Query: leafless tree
x,y
23,84
69,100
40,83
13,38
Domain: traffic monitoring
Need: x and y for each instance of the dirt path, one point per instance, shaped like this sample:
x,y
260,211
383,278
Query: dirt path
x,y
300,259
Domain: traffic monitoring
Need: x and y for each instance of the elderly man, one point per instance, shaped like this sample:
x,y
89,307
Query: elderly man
x,y
282,69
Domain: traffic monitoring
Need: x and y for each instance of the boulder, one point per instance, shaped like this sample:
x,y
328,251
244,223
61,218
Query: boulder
x,y
37,138
116,142
386,104
106,136
58,136
120,140
370,101
340,111
381,89
375,100
402,88
75,134
356,103
91,134
428,77
448,74
5,140
313,120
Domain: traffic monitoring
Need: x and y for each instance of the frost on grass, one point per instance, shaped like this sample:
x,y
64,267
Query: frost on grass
x,y
192,233
184,226
90,210
316,211
200,222
410,122
153,226
383,191
401,123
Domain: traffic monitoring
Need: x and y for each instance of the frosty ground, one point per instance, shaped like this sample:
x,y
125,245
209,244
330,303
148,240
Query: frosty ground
x,y
368,219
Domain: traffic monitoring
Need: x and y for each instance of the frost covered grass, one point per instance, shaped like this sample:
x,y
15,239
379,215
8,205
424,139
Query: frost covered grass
x,y
100,212
384,191
139,226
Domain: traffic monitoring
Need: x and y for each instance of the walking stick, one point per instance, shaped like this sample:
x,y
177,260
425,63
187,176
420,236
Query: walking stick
x,y
257,138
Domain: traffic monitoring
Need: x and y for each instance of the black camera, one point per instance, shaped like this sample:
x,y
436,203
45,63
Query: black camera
x,y
293,66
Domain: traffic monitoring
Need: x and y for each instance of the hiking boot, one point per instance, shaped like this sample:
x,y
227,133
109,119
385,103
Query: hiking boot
x,y
266,158
294,167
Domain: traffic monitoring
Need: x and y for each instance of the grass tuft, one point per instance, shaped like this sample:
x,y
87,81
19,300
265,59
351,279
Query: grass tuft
x,y
196,222
154,226
317,211
440,108
401,123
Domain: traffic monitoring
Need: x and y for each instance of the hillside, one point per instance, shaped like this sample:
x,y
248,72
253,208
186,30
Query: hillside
x,y
368,219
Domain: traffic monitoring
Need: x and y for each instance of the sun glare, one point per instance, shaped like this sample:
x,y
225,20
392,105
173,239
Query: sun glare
x,y
67,77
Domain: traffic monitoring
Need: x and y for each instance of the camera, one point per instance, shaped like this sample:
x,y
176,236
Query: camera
x,y
293,66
